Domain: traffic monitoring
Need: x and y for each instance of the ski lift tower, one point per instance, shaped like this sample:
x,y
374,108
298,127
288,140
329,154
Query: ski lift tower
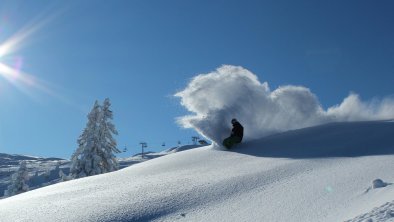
x,y
143,145
195,139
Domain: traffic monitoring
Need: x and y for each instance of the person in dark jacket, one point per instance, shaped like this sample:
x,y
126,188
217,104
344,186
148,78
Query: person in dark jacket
x,y
236,136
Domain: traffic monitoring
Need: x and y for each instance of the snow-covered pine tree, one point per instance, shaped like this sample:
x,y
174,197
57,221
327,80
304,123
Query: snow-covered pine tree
x,y
83,161
18,182
64,177
96,144
107,142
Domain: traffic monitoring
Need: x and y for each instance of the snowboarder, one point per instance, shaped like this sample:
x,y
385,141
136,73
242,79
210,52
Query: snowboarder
x,y
236,136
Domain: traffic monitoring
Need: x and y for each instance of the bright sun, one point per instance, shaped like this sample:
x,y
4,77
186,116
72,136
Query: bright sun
x,y
12,72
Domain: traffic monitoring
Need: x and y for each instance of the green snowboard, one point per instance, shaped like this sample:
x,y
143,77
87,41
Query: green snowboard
x,y
231,141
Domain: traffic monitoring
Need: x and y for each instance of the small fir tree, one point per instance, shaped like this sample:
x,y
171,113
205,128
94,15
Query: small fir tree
x,y
94,154
82,160
107,142
18,182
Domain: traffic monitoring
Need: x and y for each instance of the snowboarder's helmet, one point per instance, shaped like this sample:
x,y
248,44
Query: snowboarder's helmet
x,y
233,121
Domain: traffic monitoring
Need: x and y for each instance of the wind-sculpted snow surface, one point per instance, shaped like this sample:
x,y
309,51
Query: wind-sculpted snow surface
x,y
382,213
234,92
248,183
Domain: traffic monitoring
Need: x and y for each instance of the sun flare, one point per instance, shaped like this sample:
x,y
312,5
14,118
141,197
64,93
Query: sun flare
x,y
13,72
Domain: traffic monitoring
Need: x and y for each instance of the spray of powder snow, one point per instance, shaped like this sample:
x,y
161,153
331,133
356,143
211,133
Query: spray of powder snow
x,y
234,92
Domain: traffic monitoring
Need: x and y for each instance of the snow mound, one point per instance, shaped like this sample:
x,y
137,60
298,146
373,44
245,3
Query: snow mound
x,y
378,183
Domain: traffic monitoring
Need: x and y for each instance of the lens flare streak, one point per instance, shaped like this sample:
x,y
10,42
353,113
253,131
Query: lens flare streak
x,y
21,80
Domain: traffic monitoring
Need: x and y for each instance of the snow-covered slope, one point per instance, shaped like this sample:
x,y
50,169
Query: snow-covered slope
x,y
138,158
180,148
315,174
41,170
8,160
45,171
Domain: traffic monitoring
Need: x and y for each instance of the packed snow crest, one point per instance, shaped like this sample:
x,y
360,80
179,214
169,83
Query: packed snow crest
x,y
235,92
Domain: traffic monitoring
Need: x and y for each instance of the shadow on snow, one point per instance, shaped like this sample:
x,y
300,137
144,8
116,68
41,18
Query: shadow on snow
x,y
344,139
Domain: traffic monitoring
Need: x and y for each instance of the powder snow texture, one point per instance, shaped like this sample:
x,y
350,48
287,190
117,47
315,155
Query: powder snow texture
x,y
247,183
234,92
382,213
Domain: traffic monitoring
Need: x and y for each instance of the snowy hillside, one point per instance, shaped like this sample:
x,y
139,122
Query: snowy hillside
x,y
321,173
45,171
42,170
138,158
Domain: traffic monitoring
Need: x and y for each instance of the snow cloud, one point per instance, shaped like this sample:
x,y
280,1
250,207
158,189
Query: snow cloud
x,y
234,92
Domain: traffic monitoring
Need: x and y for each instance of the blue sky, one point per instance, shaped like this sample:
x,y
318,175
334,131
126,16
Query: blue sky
x,y
140,53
